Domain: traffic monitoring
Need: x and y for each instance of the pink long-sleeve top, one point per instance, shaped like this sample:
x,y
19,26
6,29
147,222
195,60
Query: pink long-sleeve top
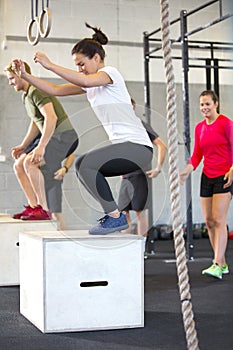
x,y
213,143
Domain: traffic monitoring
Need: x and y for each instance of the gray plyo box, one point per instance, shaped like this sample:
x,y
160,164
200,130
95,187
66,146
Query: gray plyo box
x,y
71,281
9,247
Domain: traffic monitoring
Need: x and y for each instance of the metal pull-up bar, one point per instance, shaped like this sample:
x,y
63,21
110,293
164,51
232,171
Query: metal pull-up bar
x,y
148,35
183,39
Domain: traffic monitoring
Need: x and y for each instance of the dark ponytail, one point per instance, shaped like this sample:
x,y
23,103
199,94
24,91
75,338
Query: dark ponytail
x,y
89,47
99,35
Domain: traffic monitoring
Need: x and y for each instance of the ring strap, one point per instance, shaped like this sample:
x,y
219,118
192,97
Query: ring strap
x,y
45,13
42,30
34,20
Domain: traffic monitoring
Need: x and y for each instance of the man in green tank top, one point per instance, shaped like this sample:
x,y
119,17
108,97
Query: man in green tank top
x,y
35,169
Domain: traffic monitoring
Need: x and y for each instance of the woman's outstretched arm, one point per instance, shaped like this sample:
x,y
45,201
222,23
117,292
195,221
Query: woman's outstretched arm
x,y
74,77
45,86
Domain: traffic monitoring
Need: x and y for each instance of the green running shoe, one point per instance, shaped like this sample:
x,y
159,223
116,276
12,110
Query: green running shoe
x,y
225,269
214,270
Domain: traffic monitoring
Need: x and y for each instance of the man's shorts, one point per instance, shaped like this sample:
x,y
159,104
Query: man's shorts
x,y
56,151
33,145
36,141
211,186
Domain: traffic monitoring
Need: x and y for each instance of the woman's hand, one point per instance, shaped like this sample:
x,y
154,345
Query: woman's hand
x,y
41,58
229,177
185,173
153,173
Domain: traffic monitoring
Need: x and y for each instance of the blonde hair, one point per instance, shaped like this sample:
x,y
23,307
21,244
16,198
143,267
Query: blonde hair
x,y
10,69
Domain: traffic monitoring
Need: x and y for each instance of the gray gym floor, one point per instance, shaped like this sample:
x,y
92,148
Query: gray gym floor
x,y
212,302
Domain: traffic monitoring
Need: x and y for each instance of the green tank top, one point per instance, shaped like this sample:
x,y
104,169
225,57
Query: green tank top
x,y
34,99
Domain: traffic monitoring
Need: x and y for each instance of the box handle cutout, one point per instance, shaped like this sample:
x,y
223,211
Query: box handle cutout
x,y
94,284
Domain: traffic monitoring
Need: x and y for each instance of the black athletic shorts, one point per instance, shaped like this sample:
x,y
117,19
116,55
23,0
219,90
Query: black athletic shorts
x,y
210,186
32,145
133,194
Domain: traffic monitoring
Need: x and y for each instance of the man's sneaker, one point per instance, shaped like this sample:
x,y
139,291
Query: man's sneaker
x,y
38,213
27,211
214,270
108,224
225,269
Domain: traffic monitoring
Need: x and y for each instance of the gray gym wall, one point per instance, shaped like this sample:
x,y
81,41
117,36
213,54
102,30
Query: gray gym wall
x,y
124,21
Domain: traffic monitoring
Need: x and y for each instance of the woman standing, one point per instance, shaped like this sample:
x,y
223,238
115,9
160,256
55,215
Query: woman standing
x,y
130,148
214,143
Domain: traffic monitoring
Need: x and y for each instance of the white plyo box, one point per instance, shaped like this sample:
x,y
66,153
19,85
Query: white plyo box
x,y
9,247
72,281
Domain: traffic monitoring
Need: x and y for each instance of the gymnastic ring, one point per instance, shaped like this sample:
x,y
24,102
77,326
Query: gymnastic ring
x,y
45,32
29,31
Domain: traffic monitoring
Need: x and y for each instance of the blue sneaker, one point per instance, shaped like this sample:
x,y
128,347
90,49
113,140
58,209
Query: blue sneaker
x,y
108,224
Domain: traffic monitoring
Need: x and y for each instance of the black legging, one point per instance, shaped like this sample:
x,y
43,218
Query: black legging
x,y
112,160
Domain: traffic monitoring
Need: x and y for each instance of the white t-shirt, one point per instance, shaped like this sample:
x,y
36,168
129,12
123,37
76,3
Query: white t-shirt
x,y
112,105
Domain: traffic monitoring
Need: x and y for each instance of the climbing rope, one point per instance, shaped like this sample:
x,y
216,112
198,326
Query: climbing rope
x,y
179,243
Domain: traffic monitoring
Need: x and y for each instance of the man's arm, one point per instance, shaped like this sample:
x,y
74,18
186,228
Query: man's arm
x,y
162,150
31,134
60,173
50,120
